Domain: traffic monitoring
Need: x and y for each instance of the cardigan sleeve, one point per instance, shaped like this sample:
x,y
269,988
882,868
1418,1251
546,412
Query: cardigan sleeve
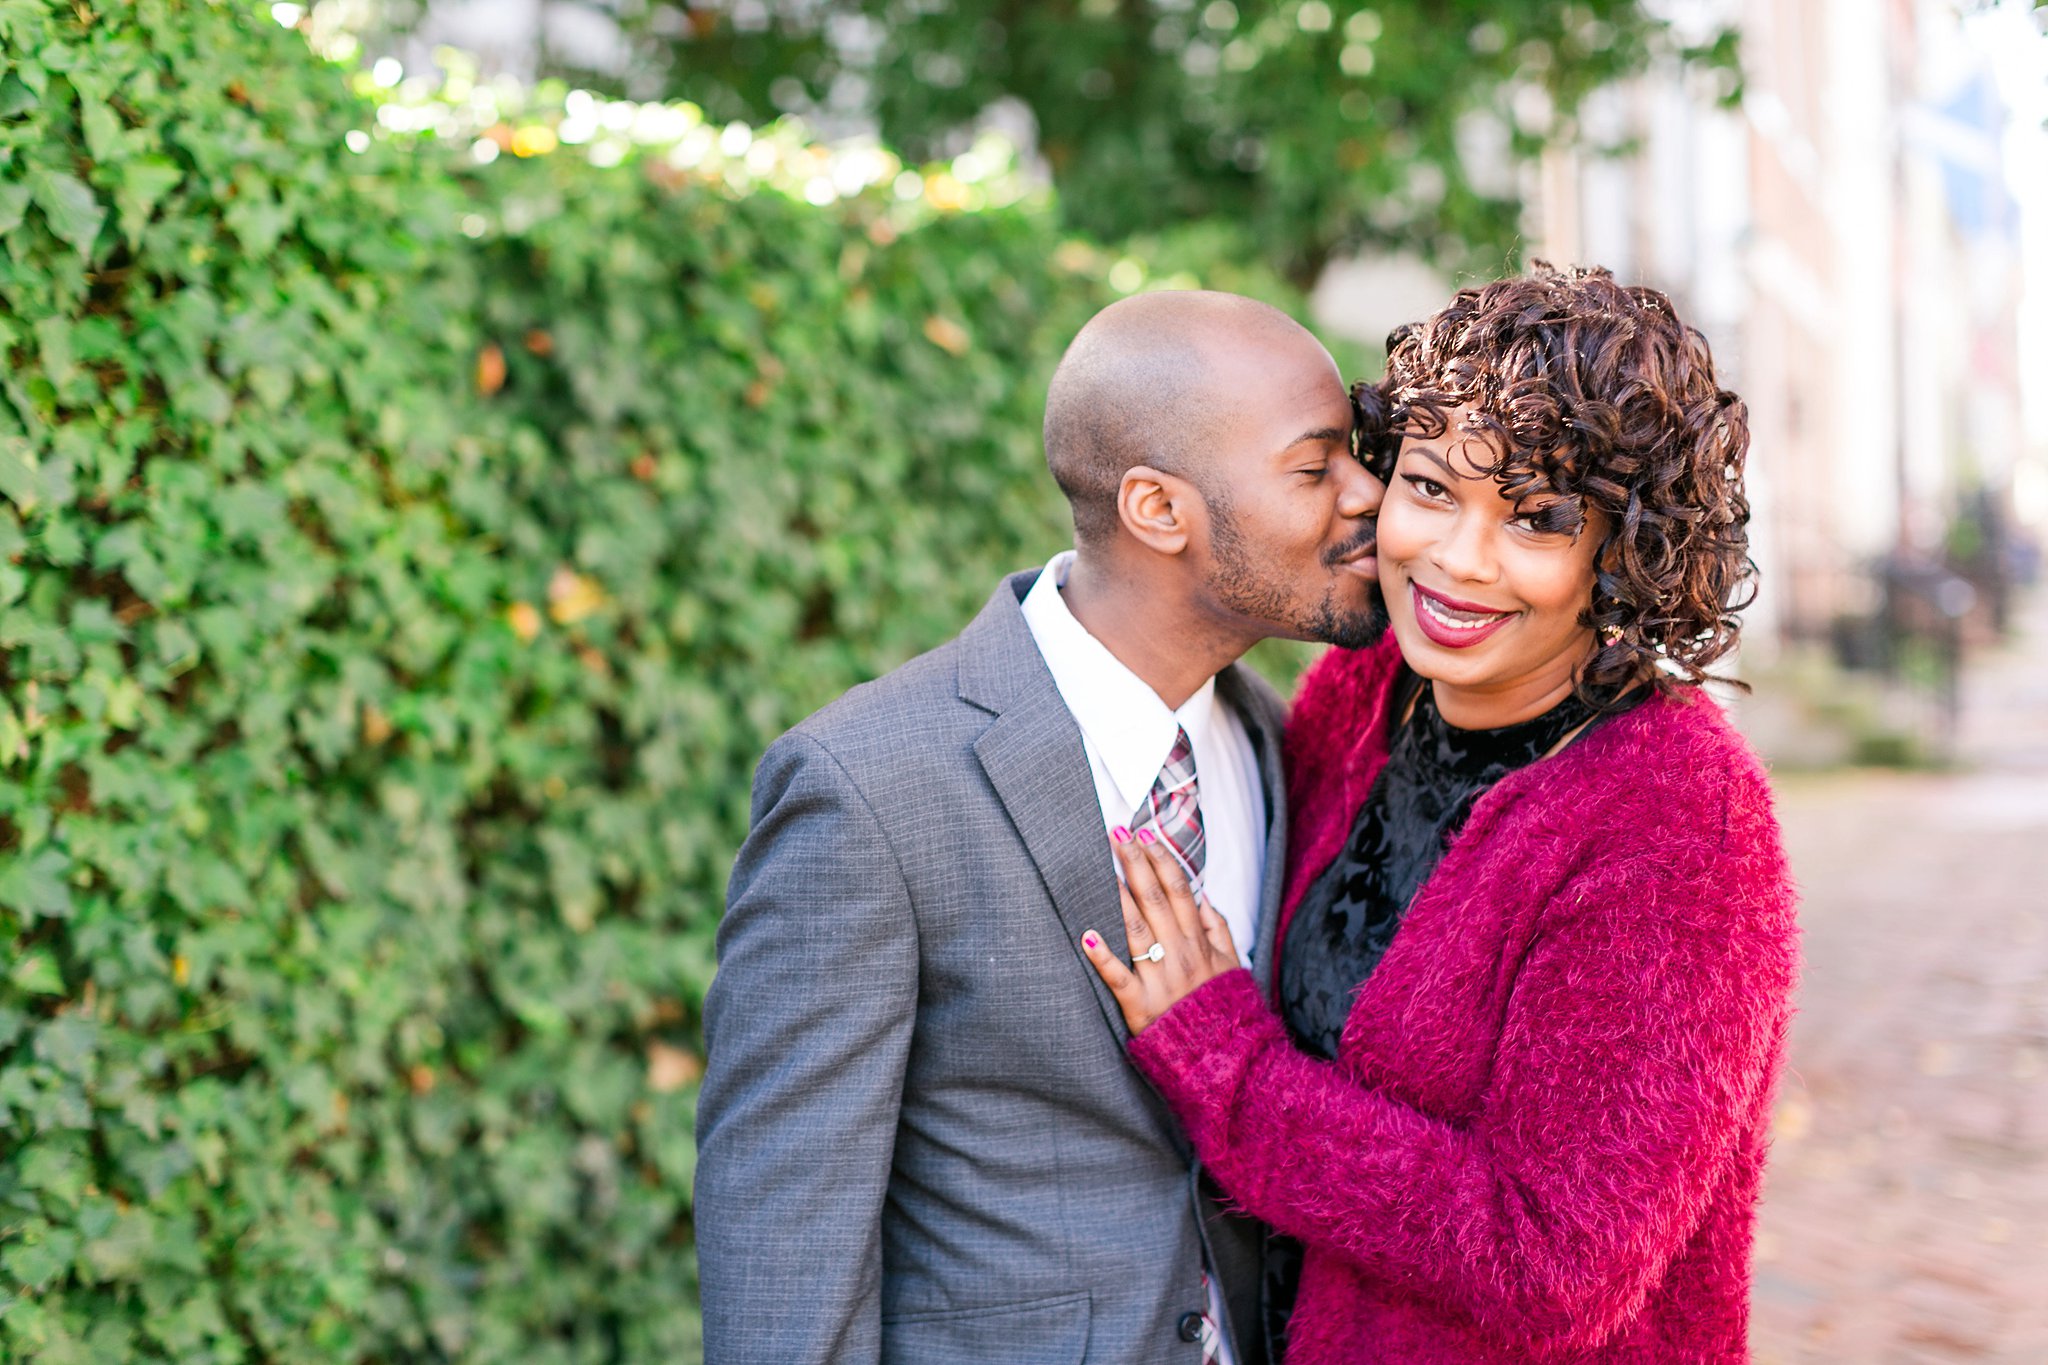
x,y
1627,1063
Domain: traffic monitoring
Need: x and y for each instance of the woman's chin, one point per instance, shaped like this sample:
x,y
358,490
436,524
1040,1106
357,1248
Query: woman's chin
x,y
1469,666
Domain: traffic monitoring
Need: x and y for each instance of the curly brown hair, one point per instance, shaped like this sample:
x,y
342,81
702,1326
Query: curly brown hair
x,y
1597,393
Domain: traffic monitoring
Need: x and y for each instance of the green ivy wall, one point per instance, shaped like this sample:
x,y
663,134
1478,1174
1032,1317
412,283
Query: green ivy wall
x,y
402,565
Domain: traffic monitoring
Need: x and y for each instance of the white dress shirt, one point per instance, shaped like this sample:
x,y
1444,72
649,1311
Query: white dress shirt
x,y
1128,732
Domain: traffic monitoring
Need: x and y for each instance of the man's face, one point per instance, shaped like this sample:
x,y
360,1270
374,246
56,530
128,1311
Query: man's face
x,y
1290,543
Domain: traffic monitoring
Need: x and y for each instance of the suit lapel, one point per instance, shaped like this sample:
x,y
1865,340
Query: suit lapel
x,y
1035,760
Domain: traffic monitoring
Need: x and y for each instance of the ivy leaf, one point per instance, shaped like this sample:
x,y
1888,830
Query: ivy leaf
x,y
103,132
572,877
36,1263
69,1043
36,885
69,206
256,217
16,98
123,1249
36,972
144,183
18,482
56,1170
53,339
13,205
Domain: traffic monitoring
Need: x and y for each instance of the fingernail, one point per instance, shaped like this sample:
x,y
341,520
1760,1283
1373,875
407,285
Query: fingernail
x,y
1145,836
1120,834
1090,941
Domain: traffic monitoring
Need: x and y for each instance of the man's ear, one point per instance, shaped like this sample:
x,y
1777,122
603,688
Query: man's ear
x,y
1157,508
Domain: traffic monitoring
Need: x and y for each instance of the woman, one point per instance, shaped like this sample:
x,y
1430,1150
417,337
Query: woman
x,y
1538,942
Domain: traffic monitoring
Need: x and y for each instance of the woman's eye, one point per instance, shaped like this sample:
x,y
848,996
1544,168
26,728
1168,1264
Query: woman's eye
x,y
1427,487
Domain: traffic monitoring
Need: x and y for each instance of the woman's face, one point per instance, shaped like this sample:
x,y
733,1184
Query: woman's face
x,y
1485,602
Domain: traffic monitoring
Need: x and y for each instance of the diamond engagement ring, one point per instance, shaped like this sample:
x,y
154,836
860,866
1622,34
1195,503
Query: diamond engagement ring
x,y
1156,953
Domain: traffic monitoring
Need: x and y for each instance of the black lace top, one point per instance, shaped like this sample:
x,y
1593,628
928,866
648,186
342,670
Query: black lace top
x,y
1349,914
1419,802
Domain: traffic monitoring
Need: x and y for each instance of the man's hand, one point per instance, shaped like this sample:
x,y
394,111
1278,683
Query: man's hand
x,y
1176,942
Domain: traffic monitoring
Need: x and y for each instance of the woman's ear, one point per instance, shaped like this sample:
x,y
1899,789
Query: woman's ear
x,y
1609,554
1157,508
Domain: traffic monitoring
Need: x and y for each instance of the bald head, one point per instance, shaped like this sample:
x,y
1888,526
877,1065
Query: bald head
x,y
1143,384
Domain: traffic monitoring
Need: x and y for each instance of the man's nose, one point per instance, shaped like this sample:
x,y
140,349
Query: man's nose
x,y
1362,491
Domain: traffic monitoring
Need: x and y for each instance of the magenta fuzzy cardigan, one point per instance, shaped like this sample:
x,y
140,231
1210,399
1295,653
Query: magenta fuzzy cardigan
x,y
1544,1131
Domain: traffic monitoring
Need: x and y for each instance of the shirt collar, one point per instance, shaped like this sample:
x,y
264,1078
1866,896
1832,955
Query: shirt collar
x,y
1127,725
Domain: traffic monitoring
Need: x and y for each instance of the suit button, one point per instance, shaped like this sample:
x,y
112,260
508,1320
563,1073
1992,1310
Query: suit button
x,y
1189,1326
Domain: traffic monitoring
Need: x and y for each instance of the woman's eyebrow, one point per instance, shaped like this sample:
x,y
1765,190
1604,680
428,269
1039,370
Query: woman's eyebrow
x,y
1428,453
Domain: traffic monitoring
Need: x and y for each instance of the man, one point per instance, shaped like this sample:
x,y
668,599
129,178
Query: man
x,y
919,1139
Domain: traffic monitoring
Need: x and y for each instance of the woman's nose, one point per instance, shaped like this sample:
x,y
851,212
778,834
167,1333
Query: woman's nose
x,y
1465,551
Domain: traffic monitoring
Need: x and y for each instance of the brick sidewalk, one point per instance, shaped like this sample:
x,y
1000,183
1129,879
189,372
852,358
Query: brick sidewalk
x,y
1906,1214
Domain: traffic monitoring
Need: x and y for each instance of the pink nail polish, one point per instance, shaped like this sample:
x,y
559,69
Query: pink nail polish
x,y
1088,940
1120,834
1145,836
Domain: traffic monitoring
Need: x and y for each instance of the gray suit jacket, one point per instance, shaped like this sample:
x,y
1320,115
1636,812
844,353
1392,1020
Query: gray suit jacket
x,y
919,1139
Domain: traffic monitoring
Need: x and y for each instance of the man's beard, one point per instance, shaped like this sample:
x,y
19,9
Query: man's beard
x,y
1251,588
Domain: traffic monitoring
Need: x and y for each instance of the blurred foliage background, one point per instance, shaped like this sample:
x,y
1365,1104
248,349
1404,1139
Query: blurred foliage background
x,y
423,503
1313,127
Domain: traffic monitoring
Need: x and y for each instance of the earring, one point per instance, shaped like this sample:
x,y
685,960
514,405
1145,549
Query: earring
x,y
1611,634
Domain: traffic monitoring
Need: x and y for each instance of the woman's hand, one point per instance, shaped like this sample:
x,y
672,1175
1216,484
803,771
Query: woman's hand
x,y
1159,911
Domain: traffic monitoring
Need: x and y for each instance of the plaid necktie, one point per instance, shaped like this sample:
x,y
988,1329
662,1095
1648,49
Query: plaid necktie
x,y
1172,811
